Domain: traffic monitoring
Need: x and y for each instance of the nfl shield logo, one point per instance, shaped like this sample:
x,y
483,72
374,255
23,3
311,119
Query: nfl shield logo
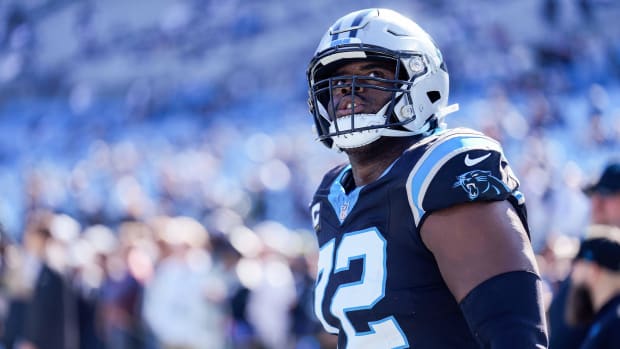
x,y
344,210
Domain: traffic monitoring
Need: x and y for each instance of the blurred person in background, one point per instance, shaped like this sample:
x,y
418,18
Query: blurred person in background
x,y
241,332
16,289
423,235
594,294
121,291
305,326
184,301
87,278
50,319
270,301
604,194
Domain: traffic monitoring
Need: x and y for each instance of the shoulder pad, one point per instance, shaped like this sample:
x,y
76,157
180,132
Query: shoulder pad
x,y
459,166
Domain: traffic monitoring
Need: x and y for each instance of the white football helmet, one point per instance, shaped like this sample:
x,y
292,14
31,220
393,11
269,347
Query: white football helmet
x,y
420,90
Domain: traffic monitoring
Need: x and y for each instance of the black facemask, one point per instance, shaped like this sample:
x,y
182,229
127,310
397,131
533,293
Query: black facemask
x,y
579,307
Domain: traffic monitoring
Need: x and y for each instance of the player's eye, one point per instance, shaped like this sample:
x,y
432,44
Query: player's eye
x,y
378,74
375,74
373,77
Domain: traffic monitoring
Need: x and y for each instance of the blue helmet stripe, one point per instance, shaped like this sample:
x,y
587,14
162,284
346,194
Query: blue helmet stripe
x,y
358,19
335,29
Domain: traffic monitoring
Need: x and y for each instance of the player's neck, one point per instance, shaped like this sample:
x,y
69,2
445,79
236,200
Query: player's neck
x,y
369,162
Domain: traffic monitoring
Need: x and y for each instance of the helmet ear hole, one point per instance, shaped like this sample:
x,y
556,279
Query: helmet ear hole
x,y
433,96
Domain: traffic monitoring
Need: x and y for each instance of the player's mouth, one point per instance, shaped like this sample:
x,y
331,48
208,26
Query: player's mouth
x,y
349,106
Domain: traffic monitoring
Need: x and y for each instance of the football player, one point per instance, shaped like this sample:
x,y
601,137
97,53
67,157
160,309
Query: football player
x,y
422,234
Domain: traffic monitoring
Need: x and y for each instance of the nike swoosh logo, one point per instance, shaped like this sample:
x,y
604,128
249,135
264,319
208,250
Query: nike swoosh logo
x,y
471,162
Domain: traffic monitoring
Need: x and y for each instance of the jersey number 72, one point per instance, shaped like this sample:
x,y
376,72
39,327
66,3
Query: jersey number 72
x,y
369,246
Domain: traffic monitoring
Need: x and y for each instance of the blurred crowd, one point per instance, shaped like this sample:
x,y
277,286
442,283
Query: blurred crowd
x,y
162,283
156,166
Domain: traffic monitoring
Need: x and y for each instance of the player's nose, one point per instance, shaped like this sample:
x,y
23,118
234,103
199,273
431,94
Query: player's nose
x,y
348,87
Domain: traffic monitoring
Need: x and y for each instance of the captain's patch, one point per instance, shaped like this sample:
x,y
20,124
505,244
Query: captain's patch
x,y
315,212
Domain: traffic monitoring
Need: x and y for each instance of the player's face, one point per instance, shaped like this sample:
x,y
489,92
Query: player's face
x,y
362,98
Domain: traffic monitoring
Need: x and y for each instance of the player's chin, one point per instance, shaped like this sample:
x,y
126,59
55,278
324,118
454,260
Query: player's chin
x,y
380,146
378,143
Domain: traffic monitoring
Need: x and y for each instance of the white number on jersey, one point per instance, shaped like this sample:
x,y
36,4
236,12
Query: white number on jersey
x,y
369,246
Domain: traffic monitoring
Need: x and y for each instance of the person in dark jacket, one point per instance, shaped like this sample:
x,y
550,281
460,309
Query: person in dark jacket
x,y
594,295
50,319
604,195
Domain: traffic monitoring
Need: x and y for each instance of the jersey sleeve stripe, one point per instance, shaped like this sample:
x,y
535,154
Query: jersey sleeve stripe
x,y
434,158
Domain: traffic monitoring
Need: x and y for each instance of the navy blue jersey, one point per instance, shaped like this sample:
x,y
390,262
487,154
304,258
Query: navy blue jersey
x,y
377,285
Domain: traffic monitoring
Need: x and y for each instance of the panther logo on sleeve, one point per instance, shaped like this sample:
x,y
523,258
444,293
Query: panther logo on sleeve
x,y
478,182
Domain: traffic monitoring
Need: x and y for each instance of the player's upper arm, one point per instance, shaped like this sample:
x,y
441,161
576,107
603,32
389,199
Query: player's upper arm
x,y
474,242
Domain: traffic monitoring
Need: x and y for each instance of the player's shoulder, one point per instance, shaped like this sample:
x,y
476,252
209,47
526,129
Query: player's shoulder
x,y
447,142
457,166
461,138
330,176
